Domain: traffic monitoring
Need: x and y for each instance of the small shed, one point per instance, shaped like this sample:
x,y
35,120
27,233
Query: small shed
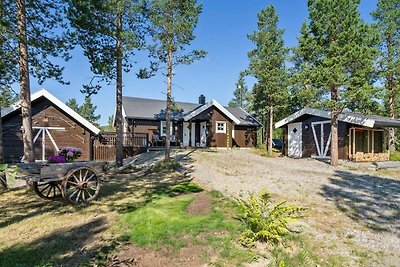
x,y
54,124
307,133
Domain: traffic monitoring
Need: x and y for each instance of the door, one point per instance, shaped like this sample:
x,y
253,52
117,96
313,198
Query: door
x,y
295,145
186,134
203,134
193,134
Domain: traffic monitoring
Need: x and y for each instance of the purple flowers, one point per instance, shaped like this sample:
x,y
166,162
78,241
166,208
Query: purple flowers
x,y
56,159
70,153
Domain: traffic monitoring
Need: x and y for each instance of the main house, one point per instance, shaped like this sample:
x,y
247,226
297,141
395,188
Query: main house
x,y
307,133
54,124
193,124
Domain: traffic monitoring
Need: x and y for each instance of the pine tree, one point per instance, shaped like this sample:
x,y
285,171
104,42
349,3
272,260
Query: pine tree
x,y
387,23
172,26
109,32
240,94
267,65
88,110
303,86
73,104
344,56
29,44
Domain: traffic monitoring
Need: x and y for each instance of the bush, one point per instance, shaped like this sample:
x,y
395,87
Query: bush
x,y
264,221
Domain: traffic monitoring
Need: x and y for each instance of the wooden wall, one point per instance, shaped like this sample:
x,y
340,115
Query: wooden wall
x,y
74,135
245,136
219,139
309,146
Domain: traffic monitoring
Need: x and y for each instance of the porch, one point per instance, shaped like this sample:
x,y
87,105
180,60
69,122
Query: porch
x,y
367,145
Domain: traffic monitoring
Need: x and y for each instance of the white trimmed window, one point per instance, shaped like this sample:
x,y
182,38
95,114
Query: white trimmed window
x,y
220,127
163,128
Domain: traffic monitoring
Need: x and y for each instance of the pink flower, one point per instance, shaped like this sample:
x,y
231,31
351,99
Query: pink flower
x,y
70,154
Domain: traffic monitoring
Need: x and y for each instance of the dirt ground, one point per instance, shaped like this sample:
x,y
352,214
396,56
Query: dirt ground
x,y
353,213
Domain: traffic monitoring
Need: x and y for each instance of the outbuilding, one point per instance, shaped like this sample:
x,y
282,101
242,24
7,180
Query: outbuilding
x,y
54,124
307,133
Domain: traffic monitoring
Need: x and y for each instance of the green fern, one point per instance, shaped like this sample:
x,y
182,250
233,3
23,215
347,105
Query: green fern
x,y
264,221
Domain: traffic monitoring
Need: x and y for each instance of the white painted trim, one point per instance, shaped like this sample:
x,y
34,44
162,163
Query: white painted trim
x,y
216,127
58,103
352,118
203,108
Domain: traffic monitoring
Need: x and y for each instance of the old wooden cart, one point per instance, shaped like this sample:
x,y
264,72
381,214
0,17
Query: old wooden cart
x,y
77,182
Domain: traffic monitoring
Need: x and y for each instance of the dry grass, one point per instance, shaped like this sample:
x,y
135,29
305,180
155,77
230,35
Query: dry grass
x,y
38,232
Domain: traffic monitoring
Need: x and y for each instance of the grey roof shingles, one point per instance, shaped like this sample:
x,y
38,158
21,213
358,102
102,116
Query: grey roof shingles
x,y
152,109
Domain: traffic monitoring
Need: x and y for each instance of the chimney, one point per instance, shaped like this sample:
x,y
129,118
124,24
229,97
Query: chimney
x,y
202,99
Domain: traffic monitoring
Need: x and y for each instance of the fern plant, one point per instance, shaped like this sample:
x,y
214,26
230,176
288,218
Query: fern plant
x,y
265,221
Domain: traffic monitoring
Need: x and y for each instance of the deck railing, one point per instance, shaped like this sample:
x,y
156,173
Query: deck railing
x,y
104,145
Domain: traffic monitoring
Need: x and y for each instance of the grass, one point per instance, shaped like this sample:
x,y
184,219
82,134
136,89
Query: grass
x,y
165,223
395,156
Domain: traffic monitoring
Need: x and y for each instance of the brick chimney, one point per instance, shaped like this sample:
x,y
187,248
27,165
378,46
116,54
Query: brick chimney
x,y
202,99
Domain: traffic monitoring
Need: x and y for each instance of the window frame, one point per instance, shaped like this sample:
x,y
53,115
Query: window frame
x,y
217,130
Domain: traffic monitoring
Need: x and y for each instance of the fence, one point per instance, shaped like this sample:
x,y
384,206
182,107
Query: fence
x,y
104,145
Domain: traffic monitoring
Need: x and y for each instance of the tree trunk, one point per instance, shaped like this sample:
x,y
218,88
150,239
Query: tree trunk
x,y
334,127
391,88
270,132
168,109
118,113
1,139
1,122
24,83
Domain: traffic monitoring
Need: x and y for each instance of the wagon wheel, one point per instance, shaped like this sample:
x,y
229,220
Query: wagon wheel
x,y
48,190
80,185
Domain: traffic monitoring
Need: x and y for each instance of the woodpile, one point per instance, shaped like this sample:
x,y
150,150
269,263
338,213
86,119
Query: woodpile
x,y
370,157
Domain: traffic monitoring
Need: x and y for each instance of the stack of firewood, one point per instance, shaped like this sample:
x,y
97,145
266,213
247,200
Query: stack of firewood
x,y
370,157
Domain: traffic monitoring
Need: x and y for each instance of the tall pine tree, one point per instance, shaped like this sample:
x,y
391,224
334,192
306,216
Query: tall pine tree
x,y
240,94
109,32
387,23
344,56
267,65
35,33
172,26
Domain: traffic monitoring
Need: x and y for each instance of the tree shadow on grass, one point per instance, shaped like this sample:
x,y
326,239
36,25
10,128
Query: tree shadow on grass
x,y
370,200
69,247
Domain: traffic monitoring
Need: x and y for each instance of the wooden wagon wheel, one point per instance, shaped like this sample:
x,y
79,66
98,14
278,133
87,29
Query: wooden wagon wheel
x,y
48,190
80,185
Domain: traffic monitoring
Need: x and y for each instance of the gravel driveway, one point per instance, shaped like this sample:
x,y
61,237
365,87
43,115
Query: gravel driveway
x,y
351,214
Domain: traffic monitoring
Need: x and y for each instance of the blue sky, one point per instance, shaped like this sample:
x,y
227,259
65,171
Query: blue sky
x,y
222,32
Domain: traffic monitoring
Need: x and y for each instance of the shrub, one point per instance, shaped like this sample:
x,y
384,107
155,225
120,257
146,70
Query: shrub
x,y
265,221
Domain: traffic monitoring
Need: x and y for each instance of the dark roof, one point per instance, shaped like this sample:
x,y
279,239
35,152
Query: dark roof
x,y
244,117
370,121
153,109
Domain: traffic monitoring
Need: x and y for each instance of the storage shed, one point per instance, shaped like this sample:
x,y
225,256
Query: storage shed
x,y
307,133
54,124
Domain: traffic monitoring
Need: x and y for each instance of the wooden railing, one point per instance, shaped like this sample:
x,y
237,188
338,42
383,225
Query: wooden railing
x,y
104,145
128,139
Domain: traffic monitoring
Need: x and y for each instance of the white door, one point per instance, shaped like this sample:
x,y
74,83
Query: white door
x,y
295,140
193,134
186,134
203,134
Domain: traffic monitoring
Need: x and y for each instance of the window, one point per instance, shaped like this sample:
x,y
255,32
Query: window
x,y
163,128
221,127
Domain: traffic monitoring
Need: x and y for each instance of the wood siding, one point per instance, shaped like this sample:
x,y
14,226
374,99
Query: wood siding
x,y
309,147
245,136
44,113
219,139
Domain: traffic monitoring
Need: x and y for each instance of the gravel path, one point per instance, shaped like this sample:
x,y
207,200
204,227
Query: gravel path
x,y
351,214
